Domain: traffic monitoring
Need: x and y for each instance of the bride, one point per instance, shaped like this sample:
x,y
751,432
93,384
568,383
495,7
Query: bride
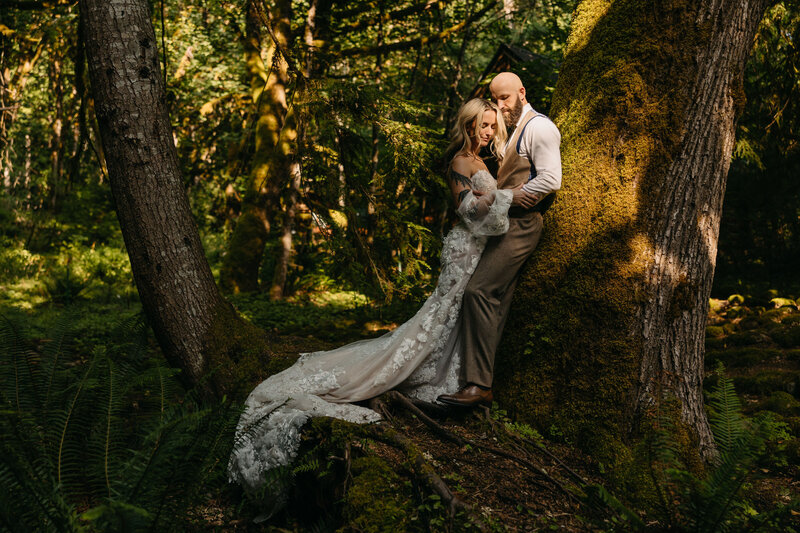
x,y
422,357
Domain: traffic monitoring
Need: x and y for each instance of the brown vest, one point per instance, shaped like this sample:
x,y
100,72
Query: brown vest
x,y
515,169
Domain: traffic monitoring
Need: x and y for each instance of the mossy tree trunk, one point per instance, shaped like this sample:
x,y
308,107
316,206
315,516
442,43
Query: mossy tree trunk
x,y
315,35
274,137
58,125
196,328
610,313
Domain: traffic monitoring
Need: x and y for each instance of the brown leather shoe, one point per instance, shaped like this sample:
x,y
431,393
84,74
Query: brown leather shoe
x,y
469,396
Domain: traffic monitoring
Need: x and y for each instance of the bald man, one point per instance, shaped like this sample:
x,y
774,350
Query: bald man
x,y
531,167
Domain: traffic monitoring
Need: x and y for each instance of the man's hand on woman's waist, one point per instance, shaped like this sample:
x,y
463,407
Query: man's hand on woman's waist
x,y
524,198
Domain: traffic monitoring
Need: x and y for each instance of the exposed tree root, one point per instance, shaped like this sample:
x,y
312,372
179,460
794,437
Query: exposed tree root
x,y
532,443
541,448
403,401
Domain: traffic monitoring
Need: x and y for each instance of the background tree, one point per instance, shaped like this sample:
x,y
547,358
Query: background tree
x,y
616,296
269,78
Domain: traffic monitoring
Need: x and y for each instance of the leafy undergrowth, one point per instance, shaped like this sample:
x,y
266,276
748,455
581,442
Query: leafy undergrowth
x,y
505,475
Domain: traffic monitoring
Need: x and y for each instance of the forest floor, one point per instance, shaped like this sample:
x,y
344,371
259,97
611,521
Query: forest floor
x,y
759,346
530,490
530,485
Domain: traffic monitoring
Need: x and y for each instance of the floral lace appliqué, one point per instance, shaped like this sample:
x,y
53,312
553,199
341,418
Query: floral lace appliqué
x,y
422,357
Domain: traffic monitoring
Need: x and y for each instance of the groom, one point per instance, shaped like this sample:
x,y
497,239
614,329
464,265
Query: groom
x,y
531,167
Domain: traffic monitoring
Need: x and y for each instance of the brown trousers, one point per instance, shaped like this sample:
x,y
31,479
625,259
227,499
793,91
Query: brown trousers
x,y
487,297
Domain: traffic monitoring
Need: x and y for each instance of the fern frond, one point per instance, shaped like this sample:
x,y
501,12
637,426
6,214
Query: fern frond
x,y
69,413
727,422
51,356
33,496
598,494
20,369
116,432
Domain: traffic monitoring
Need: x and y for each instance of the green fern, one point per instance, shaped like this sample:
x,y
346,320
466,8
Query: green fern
x,y
113,430
708,504
714,504
725,414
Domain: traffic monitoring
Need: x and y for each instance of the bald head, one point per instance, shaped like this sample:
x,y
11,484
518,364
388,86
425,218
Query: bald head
x,y
509,94
506,81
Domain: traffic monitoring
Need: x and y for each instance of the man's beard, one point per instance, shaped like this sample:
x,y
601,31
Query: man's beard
x,y
512,115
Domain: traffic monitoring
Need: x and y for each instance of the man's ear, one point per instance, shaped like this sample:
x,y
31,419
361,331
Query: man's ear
x,y
522,93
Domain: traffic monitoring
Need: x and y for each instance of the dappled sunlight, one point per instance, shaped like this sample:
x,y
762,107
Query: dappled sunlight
x,y
308,141
25,294
586,16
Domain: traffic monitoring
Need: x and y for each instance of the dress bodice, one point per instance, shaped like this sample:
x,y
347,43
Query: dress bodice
x,y
483,182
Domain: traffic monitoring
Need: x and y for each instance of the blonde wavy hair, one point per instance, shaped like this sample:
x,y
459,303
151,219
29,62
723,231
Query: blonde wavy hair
x,y
470,116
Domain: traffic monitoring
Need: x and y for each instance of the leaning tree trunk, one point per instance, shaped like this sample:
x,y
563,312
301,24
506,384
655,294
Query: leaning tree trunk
x,y
195,327
609,317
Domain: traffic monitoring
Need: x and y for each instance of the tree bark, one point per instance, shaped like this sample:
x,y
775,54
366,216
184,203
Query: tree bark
x,y
196,328
57,129
270,170
278,288
609,316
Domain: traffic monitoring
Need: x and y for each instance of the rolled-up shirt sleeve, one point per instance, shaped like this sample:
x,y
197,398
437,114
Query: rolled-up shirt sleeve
x,y
541,144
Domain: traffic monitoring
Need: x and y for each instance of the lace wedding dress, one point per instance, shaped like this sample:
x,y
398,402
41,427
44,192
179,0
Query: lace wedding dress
x,y
422,357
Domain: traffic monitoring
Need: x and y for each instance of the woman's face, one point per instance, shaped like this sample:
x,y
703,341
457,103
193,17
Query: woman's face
x,y
487,128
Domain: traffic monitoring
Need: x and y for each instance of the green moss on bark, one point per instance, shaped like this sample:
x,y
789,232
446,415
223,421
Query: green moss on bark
x,y
569,357
237,354
240,267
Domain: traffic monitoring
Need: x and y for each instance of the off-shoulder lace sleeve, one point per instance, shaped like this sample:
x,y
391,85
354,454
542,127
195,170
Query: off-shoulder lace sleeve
x,y
483,215
488,214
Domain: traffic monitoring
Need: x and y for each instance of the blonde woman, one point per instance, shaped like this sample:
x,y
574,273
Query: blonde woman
x,y
422,357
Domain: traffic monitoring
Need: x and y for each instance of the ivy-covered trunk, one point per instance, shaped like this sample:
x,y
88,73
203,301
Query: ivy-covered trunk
x,y
270,168
196,328
610,314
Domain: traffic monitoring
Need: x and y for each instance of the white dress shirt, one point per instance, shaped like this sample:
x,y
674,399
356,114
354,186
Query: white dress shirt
x,y
540,143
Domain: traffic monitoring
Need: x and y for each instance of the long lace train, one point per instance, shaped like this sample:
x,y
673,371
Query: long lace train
x,y
422,357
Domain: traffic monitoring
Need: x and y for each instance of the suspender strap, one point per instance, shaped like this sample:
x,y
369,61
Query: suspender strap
x,y
521,133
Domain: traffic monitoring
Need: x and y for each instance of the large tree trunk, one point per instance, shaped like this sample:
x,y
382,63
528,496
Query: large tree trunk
x,y
273,141
196,328
609,316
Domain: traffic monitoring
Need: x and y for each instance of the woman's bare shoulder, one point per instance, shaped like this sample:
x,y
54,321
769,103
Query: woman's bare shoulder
x,y
464,165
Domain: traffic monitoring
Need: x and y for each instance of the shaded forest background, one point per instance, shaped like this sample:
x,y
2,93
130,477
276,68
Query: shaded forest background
x,y
371,205
310,138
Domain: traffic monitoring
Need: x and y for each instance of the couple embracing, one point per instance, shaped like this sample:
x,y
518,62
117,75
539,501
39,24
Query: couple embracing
x,y
445,352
